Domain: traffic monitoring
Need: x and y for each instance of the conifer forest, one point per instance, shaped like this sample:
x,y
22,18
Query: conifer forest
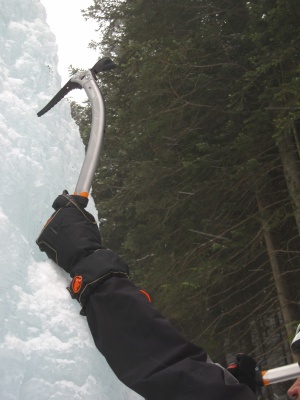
x,y
198,186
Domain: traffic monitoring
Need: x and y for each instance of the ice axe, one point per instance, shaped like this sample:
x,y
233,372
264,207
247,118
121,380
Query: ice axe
x,y
280,374
276,375
87,80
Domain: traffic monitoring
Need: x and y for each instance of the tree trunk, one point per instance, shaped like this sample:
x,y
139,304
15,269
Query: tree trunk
x,y
278,280
291,168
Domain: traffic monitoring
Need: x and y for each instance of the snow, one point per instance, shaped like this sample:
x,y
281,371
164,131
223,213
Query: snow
x,y
46,349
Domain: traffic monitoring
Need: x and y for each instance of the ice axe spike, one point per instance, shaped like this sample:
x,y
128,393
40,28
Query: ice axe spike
x,y
88,81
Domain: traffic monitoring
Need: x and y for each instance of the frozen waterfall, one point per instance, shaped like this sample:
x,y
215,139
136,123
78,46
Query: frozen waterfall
x,y
46,350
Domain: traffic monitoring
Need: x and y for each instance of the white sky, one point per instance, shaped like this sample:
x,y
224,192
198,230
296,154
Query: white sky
x,y
73,34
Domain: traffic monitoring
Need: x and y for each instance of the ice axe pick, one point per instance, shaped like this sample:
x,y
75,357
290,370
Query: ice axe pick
x,y
87,80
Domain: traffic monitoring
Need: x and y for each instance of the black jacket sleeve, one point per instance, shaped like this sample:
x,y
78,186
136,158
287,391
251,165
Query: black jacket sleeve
x,y
148,354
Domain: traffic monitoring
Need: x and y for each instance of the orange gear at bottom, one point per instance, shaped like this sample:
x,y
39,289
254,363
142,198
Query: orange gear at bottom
x,y
76,284
146,295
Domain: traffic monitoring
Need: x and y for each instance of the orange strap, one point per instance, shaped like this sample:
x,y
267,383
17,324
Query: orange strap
x,y
146,295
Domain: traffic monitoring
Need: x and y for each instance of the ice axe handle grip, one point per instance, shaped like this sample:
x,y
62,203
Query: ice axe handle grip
x,y
276,375
98,125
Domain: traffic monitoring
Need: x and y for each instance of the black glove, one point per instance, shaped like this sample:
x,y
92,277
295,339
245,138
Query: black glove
x,y
243,369
71,239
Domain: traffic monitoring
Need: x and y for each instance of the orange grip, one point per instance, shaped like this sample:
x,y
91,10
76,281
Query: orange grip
x,y
83,194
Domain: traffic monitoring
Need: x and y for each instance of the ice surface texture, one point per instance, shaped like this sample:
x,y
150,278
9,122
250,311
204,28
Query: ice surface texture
x,y
46,350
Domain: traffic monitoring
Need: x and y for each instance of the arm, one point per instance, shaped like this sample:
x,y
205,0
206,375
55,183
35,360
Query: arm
x,y
148,354
143,349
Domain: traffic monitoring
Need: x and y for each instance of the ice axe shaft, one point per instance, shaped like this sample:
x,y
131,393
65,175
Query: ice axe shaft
x,y
94,148
280,374
87,80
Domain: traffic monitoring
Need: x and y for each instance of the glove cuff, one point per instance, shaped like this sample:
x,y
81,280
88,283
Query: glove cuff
x,y
92,271
64,199
243,369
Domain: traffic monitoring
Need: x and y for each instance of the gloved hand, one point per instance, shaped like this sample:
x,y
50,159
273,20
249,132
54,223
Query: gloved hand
x,y
243,369
71,239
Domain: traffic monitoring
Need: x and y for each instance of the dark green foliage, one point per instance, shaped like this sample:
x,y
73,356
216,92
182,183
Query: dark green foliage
x,y
203,94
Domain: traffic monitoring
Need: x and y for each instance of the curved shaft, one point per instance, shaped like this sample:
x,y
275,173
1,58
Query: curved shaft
x,y
89,84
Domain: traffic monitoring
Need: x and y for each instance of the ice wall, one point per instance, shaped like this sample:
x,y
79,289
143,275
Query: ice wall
x,y
46,351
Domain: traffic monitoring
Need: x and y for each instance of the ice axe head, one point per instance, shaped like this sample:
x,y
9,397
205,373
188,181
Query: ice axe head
x,y
87,80
105,64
